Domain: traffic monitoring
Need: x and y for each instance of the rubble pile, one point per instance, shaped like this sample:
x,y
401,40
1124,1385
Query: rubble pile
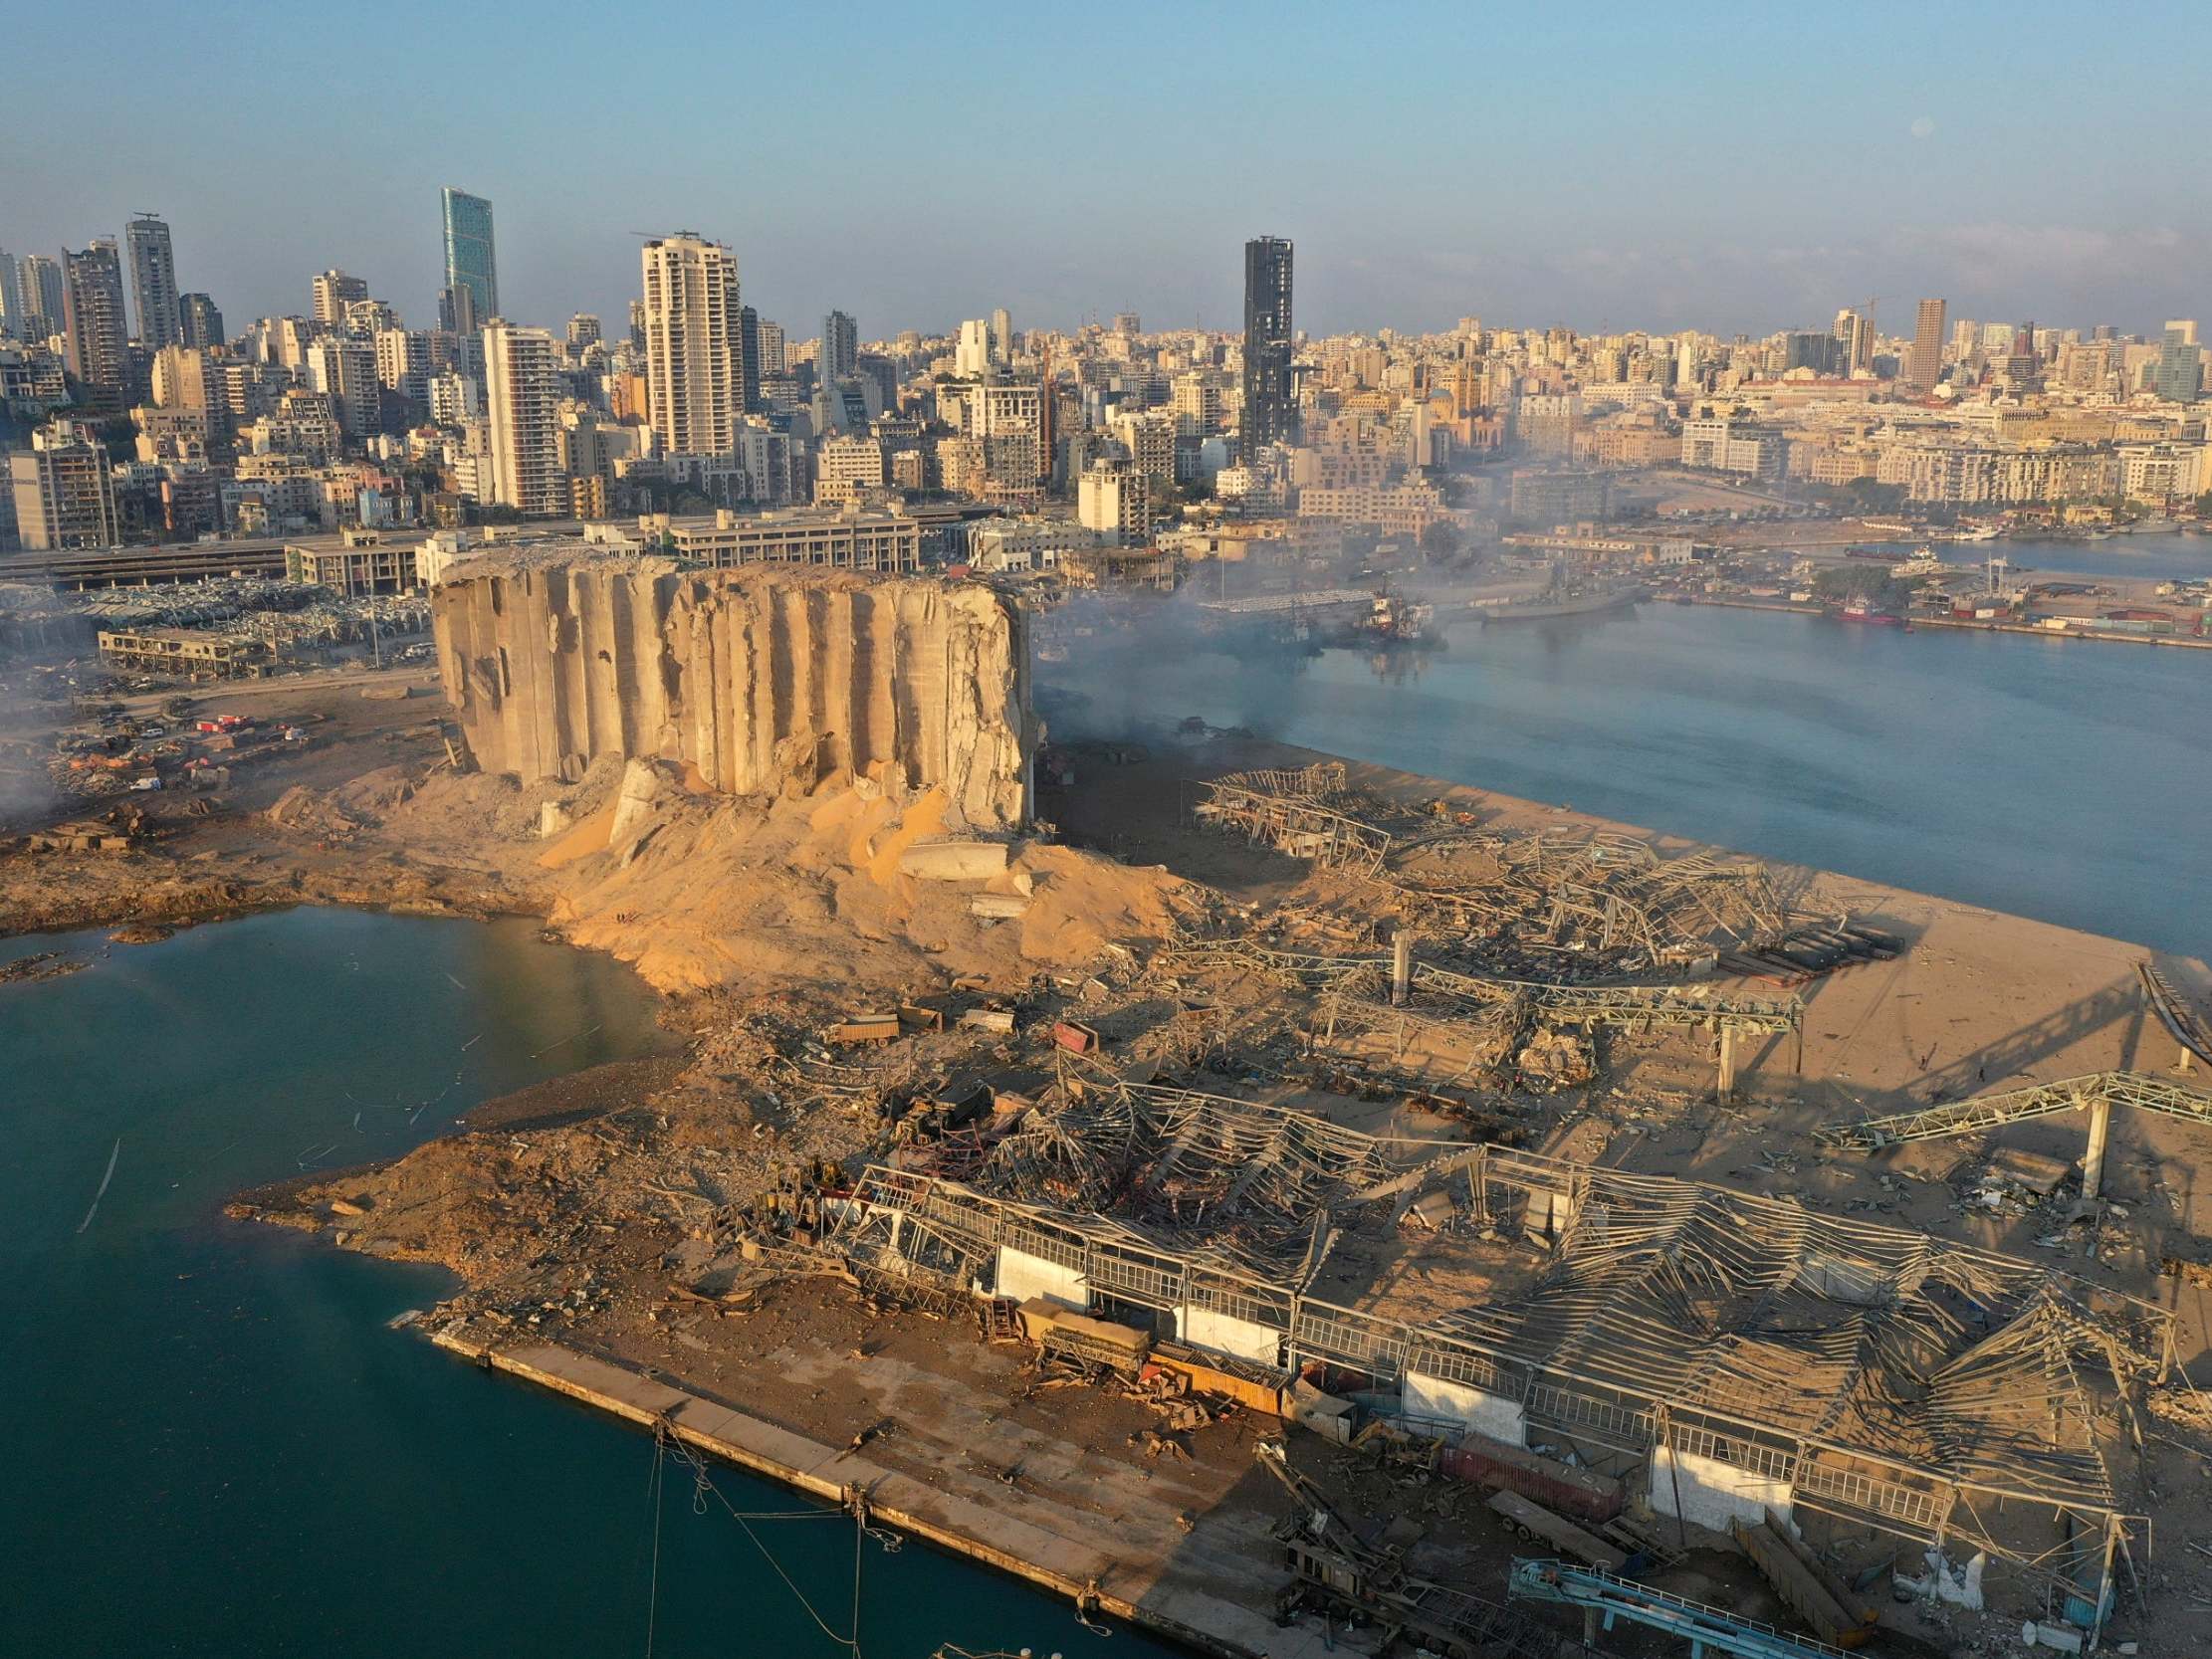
x,y
1587,903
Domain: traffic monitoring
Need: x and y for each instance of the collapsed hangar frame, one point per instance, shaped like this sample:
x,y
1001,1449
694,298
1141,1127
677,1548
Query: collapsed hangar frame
x,y
946,1235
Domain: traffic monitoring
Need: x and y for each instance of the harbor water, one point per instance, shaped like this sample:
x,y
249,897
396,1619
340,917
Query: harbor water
x,y
215,1446
2066,781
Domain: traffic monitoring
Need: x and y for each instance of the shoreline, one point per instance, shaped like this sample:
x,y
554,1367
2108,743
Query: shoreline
x,y
1195,1557
1782,607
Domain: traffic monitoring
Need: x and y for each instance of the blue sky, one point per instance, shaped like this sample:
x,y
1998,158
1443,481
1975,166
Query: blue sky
x,y
1718,166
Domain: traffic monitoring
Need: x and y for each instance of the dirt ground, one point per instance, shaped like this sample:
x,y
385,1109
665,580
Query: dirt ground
x,y
583,1211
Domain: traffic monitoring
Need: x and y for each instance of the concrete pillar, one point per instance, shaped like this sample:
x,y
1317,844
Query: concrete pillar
x,y
1727,1085
2092,1161
1400,968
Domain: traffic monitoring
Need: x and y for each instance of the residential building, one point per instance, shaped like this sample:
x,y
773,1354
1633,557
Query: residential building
x,y
748,357
471,262
185,377
403,363
200,324
1559,497
520,393
12,319
1730,446
152,281
848,470
1270,412
343,370
772,357
1397,510
1151,443
694,345
98,340
454,398
333,291
1923,361
64,494
972,356
2178,376
1113,497
44,299
840,353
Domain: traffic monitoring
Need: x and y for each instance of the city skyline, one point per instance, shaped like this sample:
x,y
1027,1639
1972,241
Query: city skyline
x,y
1693,175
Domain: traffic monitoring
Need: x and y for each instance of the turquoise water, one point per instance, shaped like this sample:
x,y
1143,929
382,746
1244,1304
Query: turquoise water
x,y
214,1445
2066,781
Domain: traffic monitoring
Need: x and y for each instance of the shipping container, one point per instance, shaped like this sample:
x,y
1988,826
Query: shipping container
x,y
1578,1493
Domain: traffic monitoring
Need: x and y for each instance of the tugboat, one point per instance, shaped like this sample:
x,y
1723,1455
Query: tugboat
x,y
1395,620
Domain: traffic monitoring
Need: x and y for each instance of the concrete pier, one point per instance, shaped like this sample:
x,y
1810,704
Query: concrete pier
x,y
1120,1568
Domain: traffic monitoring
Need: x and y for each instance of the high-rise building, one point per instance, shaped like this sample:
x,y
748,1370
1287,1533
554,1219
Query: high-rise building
x,y
198,321
1925,360
333,291
1002,337
12,318
343,367
1855,343
98,338
457,311
840,349
583,333
773,359
1114,498
2179,374
972,356
65,495
1271,416
45,302
694,345
470,261
152,281
520,395
403,363
749,355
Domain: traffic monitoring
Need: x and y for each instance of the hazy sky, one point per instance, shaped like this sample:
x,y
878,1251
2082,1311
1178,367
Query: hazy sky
x,y
1681,165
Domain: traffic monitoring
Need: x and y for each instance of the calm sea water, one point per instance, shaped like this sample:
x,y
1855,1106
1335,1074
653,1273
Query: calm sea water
x,y
2166,557
2065,780
214,1445
2152,558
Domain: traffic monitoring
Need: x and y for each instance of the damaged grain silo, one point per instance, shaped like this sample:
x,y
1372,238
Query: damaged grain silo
x,y
764,679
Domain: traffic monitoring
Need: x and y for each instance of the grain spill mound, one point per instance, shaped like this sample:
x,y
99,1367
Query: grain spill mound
x,y
829,895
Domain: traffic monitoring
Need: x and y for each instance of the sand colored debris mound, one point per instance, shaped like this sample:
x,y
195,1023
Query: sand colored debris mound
x,y
763,680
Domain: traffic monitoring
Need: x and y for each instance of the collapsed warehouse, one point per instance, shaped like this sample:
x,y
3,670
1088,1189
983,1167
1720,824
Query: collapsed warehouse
x,y
1574,905
1720,1354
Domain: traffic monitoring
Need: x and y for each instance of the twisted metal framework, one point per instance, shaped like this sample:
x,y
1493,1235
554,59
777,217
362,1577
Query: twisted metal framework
x,y
2098,1089
1290,811
1889,1378
1596,890
1634,1008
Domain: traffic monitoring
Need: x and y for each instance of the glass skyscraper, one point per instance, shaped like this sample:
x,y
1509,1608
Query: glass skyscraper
x,y
1271,410
469,261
